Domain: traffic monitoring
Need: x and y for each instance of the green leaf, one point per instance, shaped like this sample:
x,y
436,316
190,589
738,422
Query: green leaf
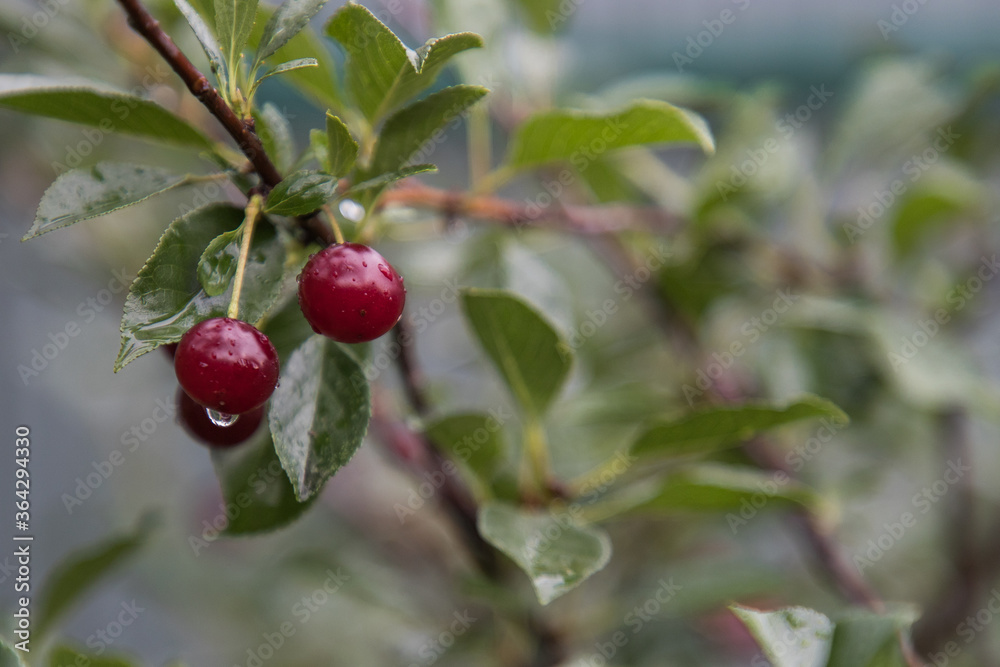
x,y
217,265
320,82
581,136
529,353
342,149
233,23
865,639
475,440
382,72
319,413
289,20
287,327
89,192
72,578
276,134
290,66
410,128
368,188
300,193
553,551
97,105
716,487
206,39
64,656
9,656
252,478
709,429
790,637
166,298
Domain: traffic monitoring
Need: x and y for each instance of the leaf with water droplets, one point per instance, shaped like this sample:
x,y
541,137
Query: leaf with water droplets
x,y
553,550
89,192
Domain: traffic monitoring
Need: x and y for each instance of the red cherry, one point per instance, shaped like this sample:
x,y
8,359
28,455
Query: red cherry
x,y
349,293
195,421
226,365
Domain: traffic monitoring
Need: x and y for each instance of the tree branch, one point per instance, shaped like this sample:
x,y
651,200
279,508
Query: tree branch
x,y
246,138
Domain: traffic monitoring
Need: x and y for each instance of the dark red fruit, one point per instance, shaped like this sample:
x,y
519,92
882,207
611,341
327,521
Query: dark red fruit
x,y
196,423
226,365
349,293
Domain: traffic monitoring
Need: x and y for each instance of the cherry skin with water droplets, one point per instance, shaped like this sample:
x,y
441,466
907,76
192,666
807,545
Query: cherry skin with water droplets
x,y
232,384
350,293
195,421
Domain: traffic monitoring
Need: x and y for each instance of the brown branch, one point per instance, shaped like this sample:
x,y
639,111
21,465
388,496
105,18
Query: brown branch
x,y
578,219
242,132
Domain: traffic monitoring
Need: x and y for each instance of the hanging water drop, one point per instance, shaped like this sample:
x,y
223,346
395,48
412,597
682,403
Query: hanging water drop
x,y
221,418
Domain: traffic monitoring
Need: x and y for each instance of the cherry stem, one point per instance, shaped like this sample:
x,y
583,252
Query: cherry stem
x,y
252,212
338,235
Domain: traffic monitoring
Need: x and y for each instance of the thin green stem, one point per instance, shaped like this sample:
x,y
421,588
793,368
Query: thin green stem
x,y
252,213
492,181
337,234
480,144
535,473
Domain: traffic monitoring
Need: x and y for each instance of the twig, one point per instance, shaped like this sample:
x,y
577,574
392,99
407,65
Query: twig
x,y
578,219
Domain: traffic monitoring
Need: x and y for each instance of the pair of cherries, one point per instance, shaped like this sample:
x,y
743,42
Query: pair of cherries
x,y
347,292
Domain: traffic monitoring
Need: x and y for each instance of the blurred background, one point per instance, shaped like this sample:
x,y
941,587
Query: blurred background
x,y
854,96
